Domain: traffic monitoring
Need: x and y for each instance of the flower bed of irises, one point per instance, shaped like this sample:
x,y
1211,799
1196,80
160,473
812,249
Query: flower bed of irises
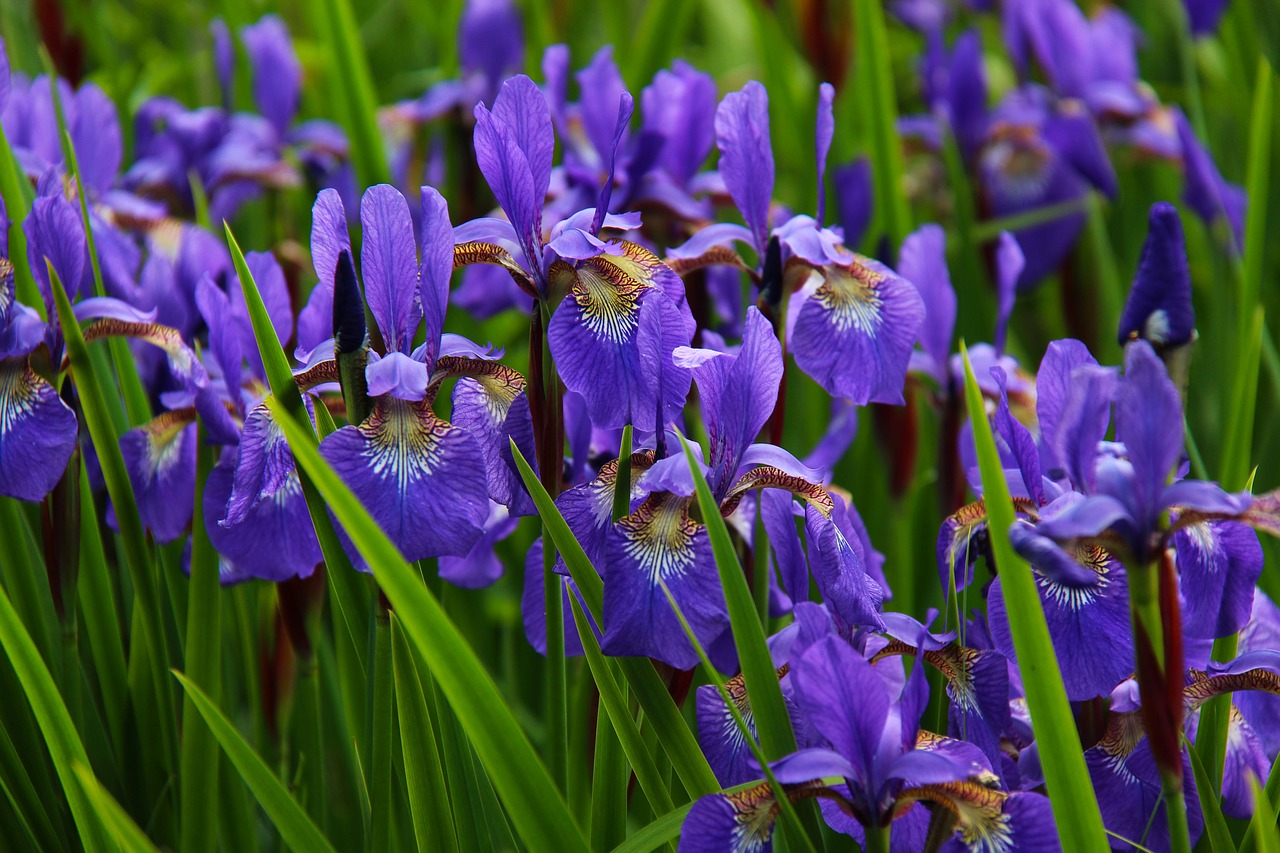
x,y
702,426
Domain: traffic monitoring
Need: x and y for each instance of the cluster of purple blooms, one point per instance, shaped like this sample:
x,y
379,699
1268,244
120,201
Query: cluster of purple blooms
x,y
638,279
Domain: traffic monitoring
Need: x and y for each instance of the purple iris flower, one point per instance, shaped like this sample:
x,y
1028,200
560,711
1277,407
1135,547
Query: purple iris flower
x,y
872,739
254,509
622,311
427,481
1206,191
850,321
237,155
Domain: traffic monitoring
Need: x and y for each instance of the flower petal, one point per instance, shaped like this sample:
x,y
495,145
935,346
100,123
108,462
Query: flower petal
x,y
389,264
746,156
160,457
421,478
37,433
854,333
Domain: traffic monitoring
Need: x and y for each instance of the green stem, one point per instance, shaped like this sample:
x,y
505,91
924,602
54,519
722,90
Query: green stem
x,y
381,770
877,839
1176,809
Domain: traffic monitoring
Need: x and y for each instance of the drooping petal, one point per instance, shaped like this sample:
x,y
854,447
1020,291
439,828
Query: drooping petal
x,y
481,566
613,337
738,823
421,478
37,432
840,573
660,544
183,361
490,403
535,612
389,264
160,457
1089,624
746,156
854,333
275,539
1218,565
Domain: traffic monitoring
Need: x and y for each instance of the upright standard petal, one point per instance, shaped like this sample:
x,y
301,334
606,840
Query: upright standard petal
x,y
37,432
1053,388
329,239
422,479
738,394
855,330
277,76
825,130
1149,423
922,260
746,156
389,263
436,269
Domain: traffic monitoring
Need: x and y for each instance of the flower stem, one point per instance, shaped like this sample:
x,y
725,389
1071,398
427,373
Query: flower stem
x,y
877,839
1176,809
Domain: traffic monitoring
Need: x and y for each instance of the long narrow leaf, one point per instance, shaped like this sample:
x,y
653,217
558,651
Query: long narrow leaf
x,y
55,723
126,833
624,724
1217,833
772,721
203,660
424,777
286,815
136,553
1075,807
521,779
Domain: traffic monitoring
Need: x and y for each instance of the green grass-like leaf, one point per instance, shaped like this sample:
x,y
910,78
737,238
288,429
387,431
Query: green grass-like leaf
x,y
880,109
1216,832
1075,807
613,701
65,747
424,775
772,721
661,712
137,554
1263,826
286,815
198,772
122,828
519,776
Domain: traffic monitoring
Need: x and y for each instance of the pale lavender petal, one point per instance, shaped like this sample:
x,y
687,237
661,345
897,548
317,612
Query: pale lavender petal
x,y
398,375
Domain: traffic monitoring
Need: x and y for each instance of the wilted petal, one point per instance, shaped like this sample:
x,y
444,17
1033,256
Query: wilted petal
x,y
854,333
160,457
37,433
421,478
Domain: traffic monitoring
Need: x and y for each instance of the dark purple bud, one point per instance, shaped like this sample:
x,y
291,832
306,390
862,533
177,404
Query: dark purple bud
x,y
1159,309
348,307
